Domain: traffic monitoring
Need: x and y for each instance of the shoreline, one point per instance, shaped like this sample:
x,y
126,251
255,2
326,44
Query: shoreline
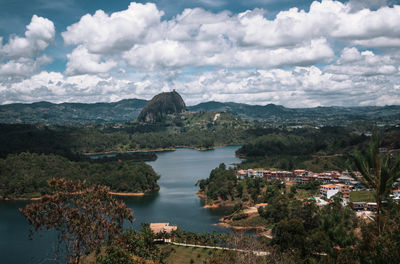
x,y
225,222
228,225
155,150
127,194
213,205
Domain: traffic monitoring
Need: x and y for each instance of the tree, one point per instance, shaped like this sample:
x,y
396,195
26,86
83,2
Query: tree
x,y
379,171
85,218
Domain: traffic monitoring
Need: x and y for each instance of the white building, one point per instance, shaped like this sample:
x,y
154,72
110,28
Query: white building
x,y
328,190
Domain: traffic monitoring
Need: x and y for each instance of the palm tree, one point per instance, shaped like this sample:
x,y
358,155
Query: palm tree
x,y
379,171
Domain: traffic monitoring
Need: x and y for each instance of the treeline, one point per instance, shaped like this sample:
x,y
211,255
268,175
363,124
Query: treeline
x,y
222,185
317,150
194,130
26,174
323,141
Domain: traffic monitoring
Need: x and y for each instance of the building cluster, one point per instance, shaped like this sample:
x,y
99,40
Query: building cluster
x,y
332,182
302,176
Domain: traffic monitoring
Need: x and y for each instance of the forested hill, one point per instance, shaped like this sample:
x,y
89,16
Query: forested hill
x,y
128,110
71,113
316,115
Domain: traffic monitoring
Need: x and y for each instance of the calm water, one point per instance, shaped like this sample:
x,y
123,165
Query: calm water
x,y
176,203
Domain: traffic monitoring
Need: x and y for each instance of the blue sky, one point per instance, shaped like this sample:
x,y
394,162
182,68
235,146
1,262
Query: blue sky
x,y
293,53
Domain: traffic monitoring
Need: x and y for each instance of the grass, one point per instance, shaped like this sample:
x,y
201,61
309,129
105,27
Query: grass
x,y
362,196
181,255
252,221
303,194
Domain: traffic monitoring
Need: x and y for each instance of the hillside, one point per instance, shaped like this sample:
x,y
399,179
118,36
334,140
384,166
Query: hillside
x,y
128,110
317,115
71,113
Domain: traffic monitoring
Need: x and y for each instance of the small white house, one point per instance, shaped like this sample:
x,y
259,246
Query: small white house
x,y
395,194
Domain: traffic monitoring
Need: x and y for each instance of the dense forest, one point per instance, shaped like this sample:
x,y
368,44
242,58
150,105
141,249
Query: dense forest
x,y
197,130
223,187
326,148
26,174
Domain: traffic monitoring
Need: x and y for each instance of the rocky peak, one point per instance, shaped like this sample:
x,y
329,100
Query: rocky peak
x,y
161,105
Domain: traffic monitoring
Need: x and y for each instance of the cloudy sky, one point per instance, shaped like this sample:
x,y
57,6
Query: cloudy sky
x,y
287,52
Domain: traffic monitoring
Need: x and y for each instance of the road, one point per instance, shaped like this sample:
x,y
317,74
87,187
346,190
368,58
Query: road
x,y
257,253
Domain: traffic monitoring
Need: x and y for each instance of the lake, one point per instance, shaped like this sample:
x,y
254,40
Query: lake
x,y
176,202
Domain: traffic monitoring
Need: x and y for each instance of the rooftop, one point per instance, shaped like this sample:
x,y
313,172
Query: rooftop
x,y
162,227
329,186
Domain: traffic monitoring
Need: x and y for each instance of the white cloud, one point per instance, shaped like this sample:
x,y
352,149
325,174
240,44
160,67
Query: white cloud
x,y
380,42
38,36
298,58
22,67
160,54
353,62
299,87
20,56
102,33
80,61
201,38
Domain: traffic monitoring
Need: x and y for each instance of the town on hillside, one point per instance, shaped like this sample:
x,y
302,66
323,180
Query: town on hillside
x,y
332,183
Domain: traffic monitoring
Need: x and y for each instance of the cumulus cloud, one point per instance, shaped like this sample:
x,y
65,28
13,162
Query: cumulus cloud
x,y
102,33
39,35
298,87
80,61
332,54
354,62
20,56
22,67
138,36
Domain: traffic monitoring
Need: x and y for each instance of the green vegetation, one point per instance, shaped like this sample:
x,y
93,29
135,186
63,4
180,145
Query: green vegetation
x,y
197,130
180,254
223,186
312,149
379,171
255,221
26,174
127,110
85,217
362,196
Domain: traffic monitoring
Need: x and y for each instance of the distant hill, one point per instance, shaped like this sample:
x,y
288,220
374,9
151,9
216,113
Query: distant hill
x,y
128,110
160,106
71,113
317,115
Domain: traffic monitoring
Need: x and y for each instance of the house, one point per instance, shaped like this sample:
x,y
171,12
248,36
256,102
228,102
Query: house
x,y
278,175
262,205
357,206
300,173
395,194
162,227
241,174
259,173
250,173
345,179
328,190
372,206
344,189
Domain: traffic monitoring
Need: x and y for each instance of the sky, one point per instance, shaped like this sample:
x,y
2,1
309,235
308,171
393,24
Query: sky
x,y
292,53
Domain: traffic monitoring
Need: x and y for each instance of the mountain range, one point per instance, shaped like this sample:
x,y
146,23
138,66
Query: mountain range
x,y
129,109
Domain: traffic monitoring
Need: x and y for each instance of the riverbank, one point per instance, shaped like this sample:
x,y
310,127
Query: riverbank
x,y
38,198
214,205
155,150
253,221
